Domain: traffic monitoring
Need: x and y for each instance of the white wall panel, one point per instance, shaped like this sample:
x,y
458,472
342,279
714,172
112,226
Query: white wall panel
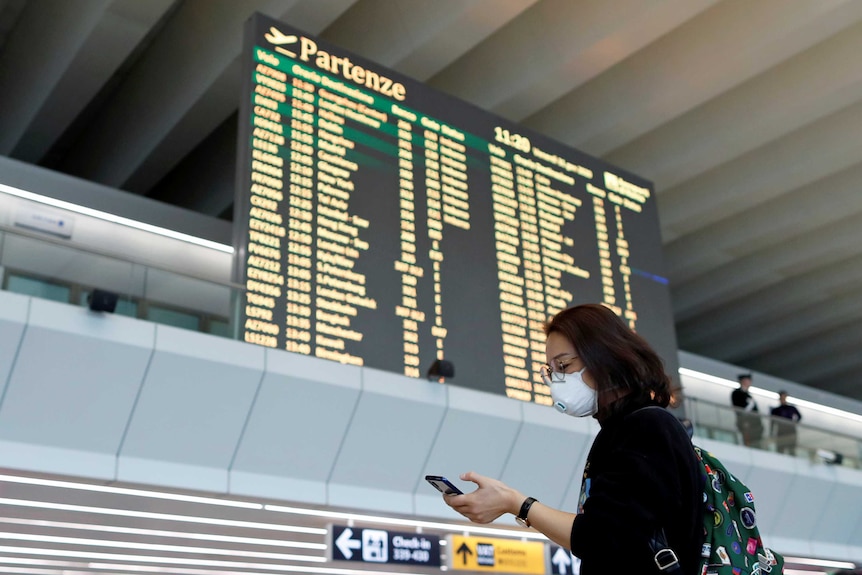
x,y
191,410
803,505
828,549
546,460
385,447
855,551
201,410
14,310
790,546
73,387
856,537
770,479
477,434
840,514
295,428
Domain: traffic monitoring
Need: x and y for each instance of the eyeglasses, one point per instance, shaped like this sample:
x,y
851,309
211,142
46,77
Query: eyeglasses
x,y
550,375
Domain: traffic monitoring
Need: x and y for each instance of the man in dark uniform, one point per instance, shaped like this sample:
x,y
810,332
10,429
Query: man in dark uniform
x,y
785,418
747,419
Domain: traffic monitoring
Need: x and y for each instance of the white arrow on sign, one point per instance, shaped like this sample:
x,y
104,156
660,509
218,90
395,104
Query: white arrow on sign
x,y
345,544
561,559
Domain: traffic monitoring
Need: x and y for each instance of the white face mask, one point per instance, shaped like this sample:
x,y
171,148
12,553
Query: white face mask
x,y
574,397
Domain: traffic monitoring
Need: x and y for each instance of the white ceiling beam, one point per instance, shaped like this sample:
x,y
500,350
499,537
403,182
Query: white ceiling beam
x,y
189,78
771,304
49,33
349,30
763,174
800,90
848,383
205,180
761,338
425,21
420,38
118,31
768,267
176,72
770,223
556,46
10,10
720,48
845,339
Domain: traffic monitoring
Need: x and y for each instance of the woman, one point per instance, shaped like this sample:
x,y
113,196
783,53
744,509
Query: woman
x,y
641,475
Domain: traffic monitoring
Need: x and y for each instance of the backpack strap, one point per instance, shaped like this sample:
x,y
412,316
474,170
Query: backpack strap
x,y
665,558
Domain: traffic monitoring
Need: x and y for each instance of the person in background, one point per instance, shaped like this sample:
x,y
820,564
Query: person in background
x,y
641,482
785,417
747,418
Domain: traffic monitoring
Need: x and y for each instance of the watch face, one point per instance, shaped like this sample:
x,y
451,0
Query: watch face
x,y
522,522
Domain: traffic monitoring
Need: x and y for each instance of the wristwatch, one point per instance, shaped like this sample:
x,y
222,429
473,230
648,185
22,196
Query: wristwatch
x,y
525,510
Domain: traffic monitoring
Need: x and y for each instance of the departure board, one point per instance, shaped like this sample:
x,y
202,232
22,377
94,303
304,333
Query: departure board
x,y
382,223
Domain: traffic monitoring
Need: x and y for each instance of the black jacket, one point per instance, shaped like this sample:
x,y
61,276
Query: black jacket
x,y
642,472
740,399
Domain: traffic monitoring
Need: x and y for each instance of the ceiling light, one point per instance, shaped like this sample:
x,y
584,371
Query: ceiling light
x,y
157,547
771,394
163,516
164,533
44,562
115,219
129,491
820,562
187,561
192,571
37,571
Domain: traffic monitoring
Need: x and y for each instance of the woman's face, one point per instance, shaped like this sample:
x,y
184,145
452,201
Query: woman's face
x,y
562,357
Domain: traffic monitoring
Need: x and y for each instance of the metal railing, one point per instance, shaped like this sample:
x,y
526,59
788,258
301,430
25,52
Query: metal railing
x,y
50,268
723,423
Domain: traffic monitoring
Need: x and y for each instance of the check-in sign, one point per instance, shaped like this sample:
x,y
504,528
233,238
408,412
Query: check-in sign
x,y
381,546
498,555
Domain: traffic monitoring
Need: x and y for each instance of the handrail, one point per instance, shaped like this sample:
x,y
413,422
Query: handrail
x,y
104,253
771,418
811,439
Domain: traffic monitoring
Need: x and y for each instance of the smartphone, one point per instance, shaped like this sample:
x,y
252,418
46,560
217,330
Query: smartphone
x,y
443,485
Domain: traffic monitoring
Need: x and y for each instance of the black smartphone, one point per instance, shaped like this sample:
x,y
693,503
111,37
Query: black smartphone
x,y
443,485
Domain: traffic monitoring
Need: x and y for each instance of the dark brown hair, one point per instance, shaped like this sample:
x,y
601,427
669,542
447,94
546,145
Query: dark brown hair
x,y
623,365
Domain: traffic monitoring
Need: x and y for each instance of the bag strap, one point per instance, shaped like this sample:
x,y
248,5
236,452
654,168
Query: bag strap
x,y
665,558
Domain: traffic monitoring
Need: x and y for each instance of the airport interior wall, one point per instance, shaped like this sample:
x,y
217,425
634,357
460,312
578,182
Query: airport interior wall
x,y
118,399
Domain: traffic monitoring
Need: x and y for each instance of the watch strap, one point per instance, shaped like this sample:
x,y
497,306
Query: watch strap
x,y
525,510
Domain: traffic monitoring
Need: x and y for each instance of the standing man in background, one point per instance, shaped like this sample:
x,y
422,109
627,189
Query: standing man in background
x,y
785,431
747,419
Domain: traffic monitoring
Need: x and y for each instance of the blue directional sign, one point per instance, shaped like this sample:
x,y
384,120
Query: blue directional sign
x,y
381,546
563,562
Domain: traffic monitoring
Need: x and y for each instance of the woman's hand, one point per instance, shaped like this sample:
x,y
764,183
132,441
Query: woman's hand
x,y
489,501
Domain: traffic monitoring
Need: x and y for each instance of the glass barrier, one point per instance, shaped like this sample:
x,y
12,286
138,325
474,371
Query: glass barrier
x,y
39,266
725,423
48,268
